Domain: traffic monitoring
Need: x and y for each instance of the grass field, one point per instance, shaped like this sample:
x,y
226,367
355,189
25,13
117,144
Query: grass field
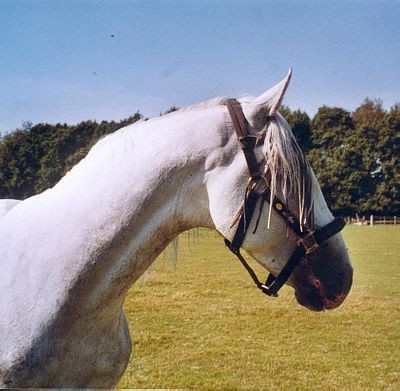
x,y
202,324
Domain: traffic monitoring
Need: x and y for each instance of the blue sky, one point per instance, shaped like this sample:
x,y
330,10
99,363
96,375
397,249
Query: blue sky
x,y
60,63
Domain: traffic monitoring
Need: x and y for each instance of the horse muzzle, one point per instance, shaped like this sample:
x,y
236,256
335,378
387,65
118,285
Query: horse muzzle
x,y
323,281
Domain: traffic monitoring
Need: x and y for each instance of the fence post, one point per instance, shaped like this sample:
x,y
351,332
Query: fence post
x,y
371,220
394,220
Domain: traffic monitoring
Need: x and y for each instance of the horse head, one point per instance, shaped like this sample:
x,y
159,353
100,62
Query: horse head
x,y
295,237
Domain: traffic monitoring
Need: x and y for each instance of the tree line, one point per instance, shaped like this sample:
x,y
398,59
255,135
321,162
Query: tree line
x,y
355,155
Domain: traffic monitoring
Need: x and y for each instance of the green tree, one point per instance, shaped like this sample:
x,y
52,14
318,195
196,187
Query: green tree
x,y
35,158
368,121
300,123
387,192
333,160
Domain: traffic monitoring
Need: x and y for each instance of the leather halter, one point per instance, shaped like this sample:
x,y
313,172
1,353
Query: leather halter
x,y
309,240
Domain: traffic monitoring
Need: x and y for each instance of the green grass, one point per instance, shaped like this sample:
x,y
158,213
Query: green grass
x,y
204,325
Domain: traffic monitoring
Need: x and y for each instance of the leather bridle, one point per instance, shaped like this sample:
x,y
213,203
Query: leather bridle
x,y
309,239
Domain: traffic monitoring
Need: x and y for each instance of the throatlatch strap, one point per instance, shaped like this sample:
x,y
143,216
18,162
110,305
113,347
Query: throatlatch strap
x,y
245,264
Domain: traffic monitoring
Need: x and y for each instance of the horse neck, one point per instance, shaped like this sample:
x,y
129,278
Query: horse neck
x,y
73,251
150,189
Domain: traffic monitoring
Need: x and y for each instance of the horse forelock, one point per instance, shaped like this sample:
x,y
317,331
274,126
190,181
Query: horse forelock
x,y
286,166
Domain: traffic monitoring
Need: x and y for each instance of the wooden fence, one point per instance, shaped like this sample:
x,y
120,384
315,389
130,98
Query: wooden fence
x,y
372,220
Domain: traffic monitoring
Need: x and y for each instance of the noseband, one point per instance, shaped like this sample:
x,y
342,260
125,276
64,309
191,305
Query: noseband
x,y
309,240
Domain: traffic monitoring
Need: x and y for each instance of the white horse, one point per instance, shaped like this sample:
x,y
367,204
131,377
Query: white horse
x,y
69,255
6,205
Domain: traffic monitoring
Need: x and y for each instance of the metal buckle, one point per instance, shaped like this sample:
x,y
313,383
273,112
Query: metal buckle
x,y
308,242
254,182
265,289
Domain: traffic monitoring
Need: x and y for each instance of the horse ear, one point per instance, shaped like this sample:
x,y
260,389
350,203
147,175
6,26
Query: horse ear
x,y
272,99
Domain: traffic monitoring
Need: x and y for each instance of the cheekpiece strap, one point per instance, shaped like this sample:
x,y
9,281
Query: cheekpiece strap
x,y
247,142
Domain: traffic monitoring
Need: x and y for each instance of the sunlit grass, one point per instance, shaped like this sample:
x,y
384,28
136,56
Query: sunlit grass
x,y
202,324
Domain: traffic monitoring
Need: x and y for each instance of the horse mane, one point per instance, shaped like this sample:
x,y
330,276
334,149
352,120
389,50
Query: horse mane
x,y
286,167
210,103
207,104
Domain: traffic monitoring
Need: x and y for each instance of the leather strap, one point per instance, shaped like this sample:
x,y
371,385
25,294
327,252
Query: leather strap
x,y
248,210
309,240
272,285
247,142
304,248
